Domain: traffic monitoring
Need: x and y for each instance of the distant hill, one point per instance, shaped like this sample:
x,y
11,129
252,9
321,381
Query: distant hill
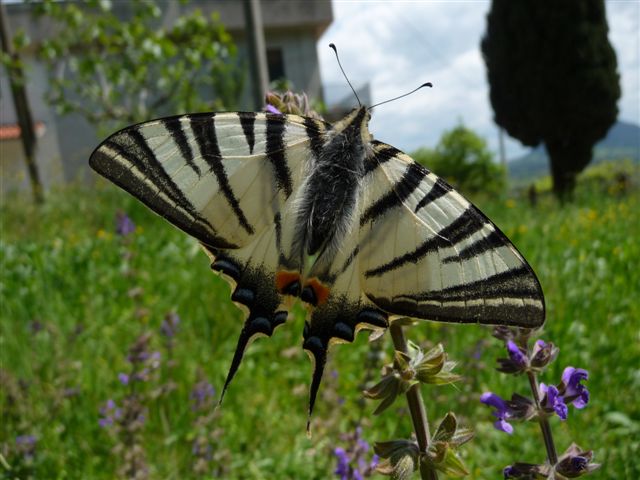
x,y
622,142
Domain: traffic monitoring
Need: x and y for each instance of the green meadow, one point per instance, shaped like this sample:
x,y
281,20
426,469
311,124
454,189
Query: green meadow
x,y
75,296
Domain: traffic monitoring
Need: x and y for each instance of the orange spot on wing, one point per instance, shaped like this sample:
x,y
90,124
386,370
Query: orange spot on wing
x,y
285,278
320,289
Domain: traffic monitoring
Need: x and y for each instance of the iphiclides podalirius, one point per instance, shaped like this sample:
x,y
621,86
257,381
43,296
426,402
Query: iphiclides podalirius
x,y
289,206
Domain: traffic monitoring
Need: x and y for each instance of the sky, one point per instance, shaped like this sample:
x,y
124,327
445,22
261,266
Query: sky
x,y
396,47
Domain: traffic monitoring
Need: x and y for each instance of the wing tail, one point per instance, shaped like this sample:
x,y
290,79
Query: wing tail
x,y
250,271
336,321
256,325
317,349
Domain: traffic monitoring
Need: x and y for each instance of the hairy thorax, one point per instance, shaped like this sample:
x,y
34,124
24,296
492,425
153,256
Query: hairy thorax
x,y
331,193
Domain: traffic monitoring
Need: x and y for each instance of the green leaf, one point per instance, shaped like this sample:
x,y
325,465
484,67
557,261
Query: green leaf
x,y
462,436
401,456
390,447
403,360
453,465
387,385
103,67
446,428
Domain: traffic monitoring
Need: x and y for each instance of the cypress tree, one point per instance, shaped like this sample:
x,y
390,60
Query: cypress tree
x,y
553,78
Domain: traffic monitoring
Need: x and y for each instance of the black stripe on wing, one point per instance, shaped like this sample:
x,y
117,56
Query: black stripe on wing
x,y
314,129
454,304
490,242
382,154
138,152
205,134
154,187
276,152
514,283
247,121
174,126
439,189
409,182
352,256
467,223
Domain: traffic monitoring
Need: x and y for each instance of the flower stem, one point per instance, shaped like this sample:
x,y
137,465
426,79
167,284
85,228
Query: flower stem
x,y
415,402
543,421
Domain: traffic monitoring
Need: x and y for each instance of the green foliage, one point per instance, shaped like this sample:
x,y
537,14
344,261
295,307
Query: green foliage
x,y
553,79
74,296
616,178
115,64
463,159
13,63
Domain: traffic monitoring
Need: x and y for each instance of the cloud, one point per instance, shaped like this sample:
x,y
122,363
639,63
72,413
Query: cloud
x,y
624,34
397,47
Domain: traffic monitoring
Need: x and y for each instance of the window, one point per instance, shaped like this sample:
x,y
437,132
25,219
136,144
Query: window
x,y
275,63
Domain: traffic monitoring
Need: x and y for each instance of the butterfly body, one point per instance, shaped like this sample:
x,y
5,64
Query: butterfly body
x,y
330,191
292,207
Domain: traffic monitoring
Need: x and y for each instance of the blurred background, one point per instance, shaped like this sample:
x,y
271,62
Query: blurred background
x,y
115,337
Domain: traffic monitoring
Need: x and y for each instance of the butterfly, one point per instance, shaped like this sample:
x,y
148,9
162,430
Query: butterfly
x,y
290,207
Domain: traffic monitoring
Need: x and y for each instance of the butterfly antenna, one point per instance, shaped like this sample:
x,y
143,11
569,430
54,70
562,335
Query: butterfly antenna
x,y
333,47
428,84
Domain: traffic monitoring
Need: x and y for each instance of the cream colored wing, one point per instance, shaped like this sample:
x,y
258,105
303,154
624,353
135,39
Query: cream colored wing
x,y
219,177
426,252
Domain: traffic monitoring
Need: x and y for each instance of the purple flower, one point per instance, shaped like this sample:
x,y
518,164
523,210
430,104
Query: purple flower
x,y
575,462
271,109
202,391
124,225
352,461
543,354
578,464
124,378
110,413
508,471
539,345
25,440
516,354
169,326
518,360
553,400
362,445
343,463
574,392
501,412
26,445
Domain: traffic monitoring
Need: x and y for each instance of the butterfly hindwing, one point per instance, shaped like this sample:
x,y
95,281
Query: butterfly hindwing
x,y
427,252
337,317
250,272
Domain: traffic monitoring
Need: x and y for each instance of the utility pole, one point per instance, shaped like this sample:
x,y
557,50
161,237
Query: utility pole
x,y
257,52
23,110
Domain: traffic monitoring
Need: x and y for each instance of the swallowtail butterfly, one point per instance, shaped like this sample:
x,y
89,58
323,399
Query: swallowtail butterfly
x,y
288,206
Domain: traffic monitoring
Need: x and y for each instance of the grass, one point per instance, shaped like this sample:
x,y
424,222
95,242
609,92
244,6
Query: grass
x,y
74,297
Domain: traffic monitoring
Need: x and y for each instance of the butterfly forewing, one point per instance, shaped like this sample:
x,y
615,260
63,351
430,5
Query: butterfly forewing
x,y
428,253
219,177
